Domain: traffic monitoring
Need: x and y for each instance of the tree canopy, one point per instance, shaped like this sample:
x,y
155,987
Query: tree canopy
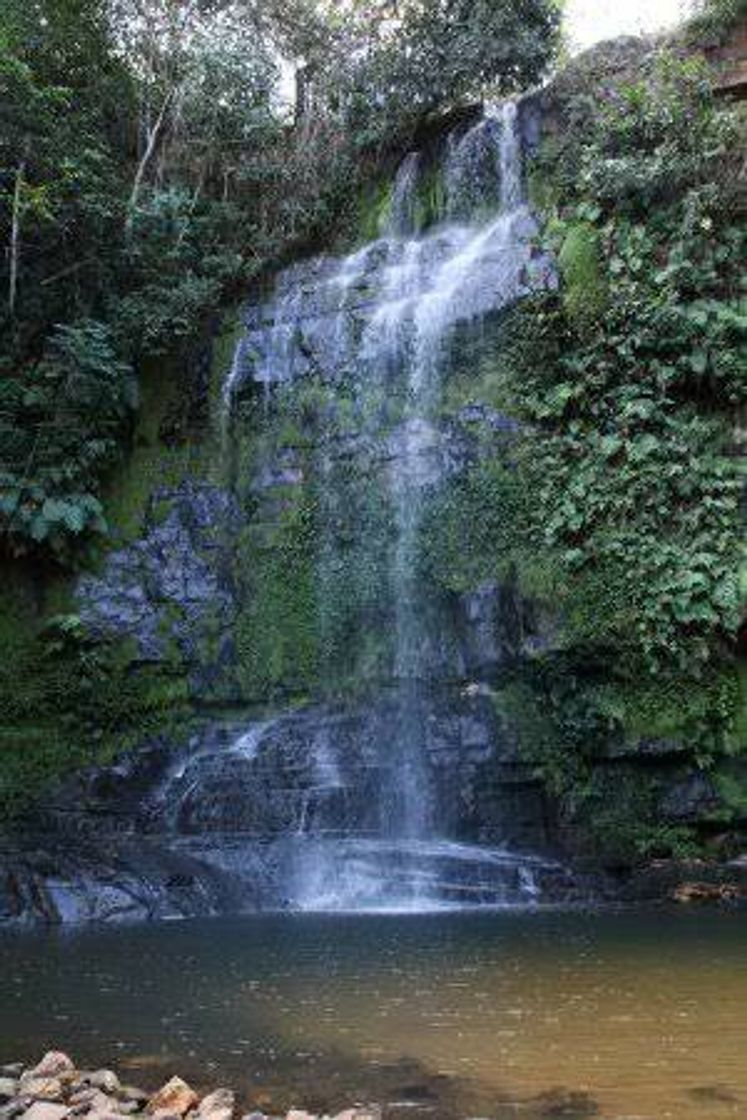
x,y
156,155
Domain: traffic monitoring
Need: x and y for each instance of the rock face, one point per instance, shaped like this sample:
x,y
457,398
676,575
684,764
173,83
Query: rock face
x,y
288,812
174,582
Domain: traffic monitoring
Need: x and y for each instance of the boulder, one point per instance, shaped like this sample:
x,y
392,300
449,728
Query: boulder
x,y
54,1064
40,1088
46,1110
88,1100
174,1098
218,1105
105,1080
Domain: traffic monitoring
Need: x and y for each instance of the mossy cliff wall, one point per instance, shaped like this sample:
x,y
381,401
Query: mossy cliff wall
x,y
250,553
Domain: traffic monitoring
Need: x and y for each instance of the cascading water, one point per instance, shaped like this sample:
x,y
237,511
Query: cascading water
x,y
384,318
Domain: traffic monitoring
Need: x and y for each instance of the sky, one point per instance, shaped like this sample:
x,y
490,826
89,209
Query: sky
x,y
588,21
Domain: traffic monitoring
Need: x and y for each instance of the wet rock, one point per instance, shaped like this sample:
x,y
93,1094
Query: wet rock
x,y
105,1080
170,584
708,892
174,1098
562,1104
89,1100
218,1105
8,1088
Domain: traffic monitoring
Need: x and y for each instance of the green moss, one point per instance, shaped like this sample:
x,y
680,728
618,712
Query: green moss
x,y
430,196
584,294
373,207
155,460
151,463
703,715
476,372
484,508
224,349
543,190
66,702
277,630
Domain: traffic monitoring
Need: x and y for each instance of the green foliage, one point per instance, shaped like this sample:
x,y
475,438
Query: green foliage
x,y
617,506
443,53
716,19
630,473
61,423
582,730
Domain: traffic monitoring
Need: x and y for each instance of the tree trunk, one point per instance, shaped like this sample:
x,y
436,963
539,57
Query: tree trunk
x,y
15,238
154,138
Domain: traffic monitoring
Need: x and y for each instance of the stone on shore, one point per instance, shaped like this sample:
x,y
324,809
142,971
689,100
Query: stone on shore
x,y
367,1112
105,1080
218,1105
40,1088
174,1098
54,1064
46,1110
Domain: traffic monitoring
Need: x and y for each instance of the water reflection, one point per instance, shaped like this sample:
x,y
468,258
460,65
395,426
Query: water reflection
x,y
616,1015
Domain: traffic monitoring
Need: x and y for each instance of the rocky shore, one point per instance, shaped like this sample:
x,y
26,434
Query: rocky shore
x,y
55,1089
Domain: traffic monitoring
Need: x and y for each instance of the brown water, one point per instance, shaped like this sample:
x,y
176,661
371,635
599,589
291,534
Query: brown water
x,y
641,1016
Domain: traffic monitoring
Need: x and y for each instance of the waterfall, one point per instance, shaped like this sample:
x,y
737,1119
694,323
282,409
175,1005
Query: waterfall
x,y
400,220
382,320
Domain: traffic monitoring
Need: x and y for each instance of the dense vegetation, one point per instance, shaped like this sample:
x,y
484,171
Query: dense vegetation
x,y
624,512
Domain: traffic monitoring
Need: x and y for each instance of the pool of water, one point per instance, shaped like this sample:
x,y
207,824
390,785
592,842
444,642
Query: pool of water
x,y
641,1016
